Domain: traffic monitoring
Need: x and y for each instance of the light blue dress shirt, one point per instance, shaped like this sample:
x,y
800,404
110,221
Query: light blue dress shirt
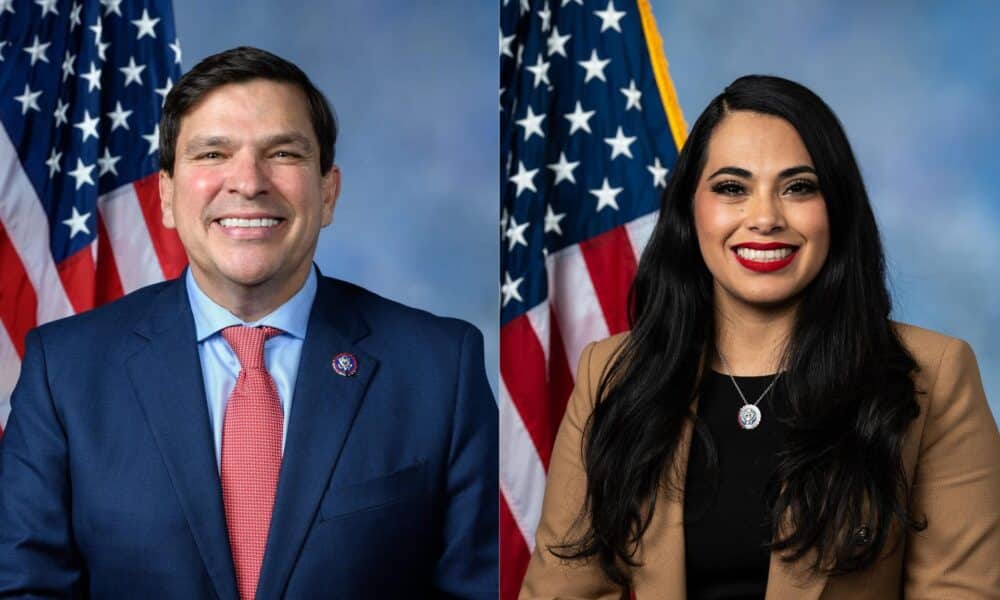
x,y
219,365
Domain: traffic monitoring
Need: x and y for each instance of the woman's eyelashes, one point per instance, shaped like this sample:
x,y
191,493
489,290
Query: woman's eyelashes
x,y
799,187
729,188
802,187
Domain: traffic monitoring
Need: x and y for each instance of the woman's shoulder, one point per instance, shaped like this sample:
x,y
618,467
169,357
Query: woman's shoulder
x,y
927,346
602,352
594,361
947,380
933,350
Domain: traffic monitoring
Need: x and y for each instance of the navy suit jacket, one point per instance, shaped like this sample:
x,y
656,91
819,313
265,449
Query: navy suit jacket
x,y
109,485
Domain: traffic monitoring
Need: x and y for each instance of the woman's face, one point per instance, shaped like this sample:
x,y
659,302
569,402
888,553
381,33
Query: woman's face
x,y
759,213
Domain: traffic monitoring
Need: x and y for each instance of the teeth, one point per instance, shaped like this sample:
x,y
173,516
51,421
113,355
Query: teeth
x,y
764,255
232,222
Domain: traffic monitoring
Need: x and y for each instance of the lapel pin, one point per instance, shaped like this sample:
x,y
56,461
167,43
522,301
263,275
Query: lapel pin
x,y
345,364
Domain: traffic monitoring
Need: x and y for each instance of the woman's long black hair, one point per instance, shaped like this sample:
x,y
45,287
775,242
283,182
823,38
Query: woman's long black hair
x,y
839,483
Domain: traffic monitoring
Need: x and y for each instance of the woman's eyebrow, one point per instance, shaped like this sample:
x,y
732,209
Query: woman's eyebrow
x,y
792,171
738,172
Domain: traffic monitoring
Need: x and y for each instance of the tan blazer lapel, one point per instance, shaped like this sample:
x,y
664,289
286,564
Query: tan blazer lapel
x,y
663,554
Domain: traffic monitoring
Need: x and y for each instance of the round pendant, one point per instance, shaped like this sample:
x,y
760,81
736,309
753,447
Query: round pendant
x,y
749,417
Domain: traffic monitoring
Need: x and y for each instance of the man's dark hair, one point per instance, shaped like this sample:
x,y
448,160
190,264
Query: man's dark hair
x,y
240,65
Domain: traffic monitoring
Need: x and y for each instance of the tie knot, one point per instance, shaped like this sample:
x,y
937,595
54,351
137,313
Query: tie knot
x,y
248,343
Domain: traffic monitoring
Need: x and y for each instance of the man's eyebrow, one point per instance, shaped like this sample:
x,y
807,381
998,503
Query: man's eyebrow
x,y
207,141
292,137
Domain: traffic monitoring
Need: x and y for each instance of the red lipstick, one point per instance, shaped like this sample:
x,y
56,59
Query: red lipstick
x,y
765,266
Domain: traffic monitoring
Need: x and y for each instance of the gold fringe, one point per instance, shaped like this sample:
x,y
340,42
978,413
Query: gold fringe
x,y
668,95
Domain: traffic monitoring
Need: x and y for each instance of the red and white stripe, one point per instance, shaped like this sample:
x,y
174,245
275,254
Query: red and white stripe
x,y
133,249
588,290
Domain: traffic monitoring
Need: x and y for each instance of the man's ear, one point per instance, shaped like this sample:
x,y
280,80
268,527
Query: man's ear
x,y
330,191
166,183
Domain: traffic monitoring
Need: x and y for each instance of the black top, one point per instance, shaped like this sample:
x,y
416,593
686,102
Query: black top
x,y
726,529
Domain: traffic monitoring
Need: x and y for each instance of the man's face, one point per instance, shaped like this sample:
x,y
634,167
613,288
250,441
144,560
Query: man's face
x,y
247,197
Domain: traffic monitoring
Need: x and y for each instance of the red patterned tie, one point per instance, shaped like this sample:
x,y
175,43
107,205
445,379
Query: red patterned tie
x,y
251,454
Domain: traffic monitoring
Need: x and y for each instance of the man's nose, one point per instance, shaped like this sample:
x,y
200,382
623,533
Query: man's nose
x,y
247,176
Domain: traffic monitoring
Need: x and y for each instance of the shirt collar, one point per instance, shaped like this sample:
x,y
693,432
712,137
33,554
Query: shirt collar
x,y
292,317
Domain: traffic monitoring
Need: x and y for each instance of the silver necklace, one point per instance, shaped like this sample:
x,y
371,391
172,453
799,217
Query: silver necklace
x,y
749,416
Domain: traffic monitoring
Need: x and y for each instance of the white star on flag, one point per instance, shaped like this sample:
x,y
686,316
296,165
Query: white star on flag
x,y
153,139
48,6
60,112
67,65
563,169
606,195
515,233
620,144
557,43
37,51
77,223
28,100
111,7
53,162
540,70
579,119
659,173
532,124
119,117
523,179
82,174
505,45
132,72
107,162
509,289
610,18
145,25
552,220
93,77
88,126
632,96
163,91
74,16
176,48
594,66
546,16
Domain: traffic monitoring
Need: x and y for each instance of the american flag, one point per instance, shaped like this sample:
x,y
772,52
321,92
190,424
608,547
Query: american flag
x,y
590,126
82,85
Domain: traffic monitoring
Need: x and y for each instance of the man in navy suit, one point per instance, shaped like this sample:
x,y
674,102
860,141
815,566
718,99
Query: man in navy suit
x,y
379,428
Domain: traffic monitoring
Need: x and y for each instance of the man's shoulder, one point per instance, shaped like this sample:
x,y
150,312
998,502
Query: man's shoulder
x,y
113,318
387,315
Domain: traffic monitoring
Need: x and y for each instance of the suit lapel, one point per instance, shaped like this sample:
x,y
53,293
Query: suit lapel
x,y
323,410
166,376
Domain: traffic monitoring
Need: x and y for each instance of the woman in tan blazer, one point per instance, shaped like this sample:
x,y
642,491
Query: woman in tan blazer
x,y
764,429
